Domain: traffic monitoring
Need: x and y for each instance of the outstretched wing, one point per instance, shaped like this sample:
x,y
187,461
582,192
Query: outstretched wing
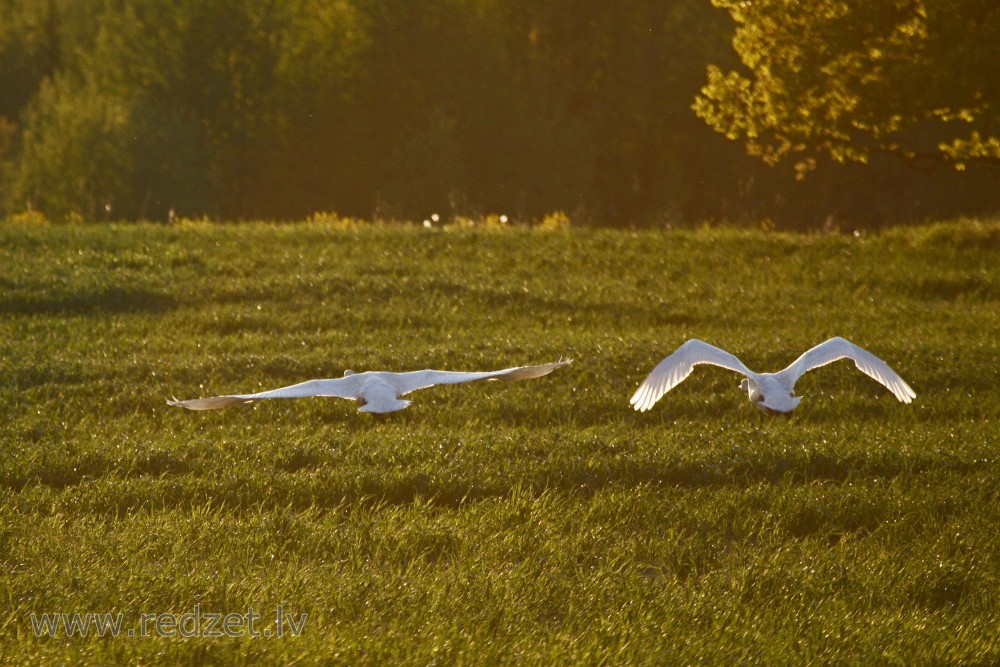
x,y
674,369
840,348
414,380
345,387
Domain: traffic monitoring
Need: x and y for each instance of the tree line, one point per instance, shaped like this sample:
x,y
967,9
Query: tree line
x,y
648,112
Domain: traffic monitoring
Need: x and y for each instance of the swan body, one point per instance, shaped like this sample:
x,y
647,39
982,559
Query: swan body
x,y
771,392
375,391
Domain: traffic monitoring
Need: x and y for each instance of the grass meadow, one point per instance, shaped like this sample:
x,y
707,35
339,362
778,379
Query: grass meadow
x,y
539,522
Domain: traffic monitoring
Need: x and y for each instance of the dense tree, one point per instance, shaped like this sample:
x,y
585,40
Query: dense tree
x,y
628,77
75,161
35,40
390,108
916,79
29,50
170,107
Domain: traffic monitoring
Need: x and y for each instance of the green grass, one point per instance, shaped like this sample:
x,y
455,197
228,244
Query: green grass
x,y
533,522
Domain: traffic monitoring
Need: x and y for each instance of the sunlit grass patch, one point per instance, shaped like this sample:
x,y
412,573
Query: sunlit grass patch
x,y
499,522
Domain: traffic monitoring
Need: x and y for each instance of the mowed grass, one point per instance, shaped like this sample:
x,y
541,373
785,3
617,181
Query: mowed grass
x,y
532,522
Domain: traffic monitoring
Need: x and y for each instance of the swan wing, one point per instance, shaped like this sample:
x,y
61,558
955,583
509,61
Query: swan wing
x,y
345,387
841,348
674,369
414,380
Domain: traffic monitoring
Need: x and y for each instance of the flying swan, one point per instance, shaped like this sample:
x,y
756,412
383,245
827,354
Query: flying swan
x,y
771,392
374,391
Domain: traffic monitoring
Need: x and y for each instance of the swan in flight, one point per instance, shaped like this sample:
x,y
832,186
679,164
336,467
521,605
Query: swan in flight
x,y
374,391
771,392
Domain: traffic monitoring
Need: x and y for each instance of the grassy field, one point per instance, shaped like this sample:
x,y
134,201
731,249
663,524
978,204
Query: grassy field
x,y
532,522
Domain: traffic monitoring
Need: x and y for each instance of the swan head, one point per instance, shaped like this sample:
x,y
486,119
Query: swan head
x,y
752,389
348,372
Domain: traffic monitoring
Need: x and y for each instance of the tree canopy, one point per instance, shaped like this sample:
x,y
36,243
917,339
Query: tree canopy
x,y
916,79
389,108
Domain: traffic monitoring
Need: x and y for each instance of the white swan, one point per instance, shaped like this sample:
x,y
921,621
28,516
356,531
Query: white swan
x,y
771,392
374,391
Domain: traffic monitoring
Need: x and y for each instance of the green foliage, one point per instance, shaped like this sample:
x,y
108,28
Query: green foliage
x,y
389,109
849,79
378,108
628,78
28,51
77,161
531,522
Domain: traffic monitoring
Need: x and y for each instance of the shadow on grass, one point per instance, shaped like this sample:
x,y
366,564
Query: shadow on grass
x,y
306,480
69,472
949,289
110,300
